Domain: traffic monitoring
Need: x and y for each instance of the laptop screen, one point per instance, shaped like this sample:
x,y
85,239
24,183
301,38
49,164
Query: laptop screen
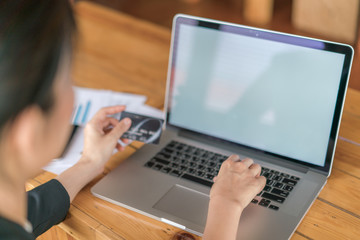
x,y
272,92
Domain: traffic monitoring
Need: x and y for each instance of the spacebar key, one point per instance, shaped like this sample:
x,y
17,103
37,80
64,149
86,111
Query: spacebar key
x,y
198,180
273,197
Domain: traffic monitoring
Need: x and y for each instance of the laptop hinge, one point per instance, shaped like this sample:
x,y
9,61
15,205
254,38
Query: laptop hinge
x,y
245,151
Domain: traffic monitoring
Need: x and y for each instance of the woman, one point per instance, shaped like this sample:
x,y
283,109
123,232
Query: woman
x,y
36,41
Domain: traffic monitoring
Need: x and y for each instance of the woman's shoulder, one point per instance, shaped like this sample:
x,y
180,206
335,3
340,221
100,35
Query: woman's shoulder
x,y
10,230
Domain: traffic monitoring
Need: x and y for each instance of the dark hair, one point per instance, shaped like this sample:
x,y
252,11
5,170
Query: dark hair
x,y
33,37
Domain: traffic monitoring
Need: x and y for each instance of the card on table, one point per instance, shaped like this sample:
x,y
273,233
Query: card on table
x,y
143,128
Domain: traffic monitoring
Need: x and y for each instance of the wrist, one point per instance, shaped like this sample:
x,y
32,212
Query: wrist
x,y
222,220
92,167
226,205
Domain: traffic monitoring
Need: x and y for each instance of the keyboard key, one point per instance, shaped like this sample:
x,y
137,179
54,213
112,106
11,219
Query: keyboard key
x,y
175,165
277,178
175,173
288,188
267,188
149,164
157,167
254,201
269,182
168,150
198,180
280,192
273,197
264,202
203,161
192,164
268,175
294,178
289,182
183,168
199,173
273,207
166,169
162,161
278,185
211,164
183,161
209,176
163,155
285,175
209,170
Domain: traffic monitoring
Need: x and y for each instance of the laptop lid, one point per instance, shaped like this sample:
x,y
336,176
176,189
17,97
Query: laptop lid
x,y
267,91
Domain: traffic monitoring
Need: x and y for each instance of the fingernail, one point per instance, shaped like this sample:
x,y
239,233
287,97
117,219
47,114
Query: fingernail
x,y
127,121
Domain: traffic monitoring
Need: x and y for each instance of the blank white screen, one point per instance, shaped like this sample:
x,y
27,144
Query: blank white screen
x,y
269,95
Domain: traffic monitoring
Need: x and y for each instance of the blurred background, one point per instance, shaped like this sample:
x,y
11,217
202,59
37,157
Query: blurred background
x,y
332,20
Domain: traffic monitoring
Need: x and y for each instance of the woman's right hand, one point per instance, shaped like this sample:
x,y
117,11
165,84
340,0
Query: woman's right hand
x,y
235,186
238,182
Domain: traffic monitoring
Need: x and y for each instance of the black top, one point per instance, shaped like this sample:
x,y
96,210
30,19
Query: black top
x,y
48,205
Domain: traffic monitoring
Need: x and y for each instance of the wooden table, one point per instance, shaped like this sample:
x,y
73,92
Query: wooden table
x,y
119,52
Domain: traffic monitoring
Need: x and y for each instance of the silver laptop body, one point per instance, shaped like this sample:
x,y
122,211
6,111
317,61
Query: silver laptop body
x,y
232,89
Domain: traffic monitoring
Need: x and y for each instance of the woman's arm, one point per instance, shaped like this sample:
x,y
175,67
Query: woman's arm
x,y
236,185
101,138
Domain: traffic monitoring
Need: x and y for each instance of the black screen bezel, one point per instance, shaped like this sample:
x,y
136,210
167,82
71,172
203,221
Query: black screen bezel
x,y
274,36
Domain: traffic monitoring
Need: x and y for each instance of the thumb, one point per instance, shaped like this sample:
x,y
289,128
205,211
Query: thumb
x,y
120,128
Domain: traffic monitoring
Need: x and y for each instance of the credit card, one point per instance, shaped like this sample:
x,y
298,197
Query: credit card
x,y
143,128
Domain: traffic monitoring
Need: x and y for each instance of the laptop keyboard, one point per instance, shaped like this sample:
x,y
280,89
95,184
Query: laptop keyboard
x,y
201,166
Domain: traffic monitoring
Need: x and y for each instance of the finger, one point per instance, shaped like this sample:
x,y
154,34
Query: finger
x,y
215,178
125,140
119,147
261,181
234,158
109,121
103,112
107,124
247,162
255,169
227,164
120,128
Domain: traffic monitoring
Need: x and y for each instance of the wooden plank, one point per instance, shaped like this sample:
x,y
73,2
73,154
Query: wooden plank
x,y
141,51
103,233
78,224
351,103
347,129
30,184
299,236
342,190
45,177
347,158
55,233
137,144
327,222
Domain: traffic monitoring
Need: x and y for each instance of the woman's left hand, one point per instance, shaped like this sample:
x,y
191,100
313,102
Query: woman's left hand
x,y
102,134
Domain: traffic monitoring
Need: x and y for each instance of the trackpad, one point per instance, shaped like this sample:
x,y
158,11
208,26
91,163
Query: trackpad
x,y
185,203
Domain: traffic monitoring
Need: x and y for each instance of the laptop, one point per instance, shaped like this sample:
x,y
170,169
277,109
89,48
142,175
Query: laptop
x,y
231,89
